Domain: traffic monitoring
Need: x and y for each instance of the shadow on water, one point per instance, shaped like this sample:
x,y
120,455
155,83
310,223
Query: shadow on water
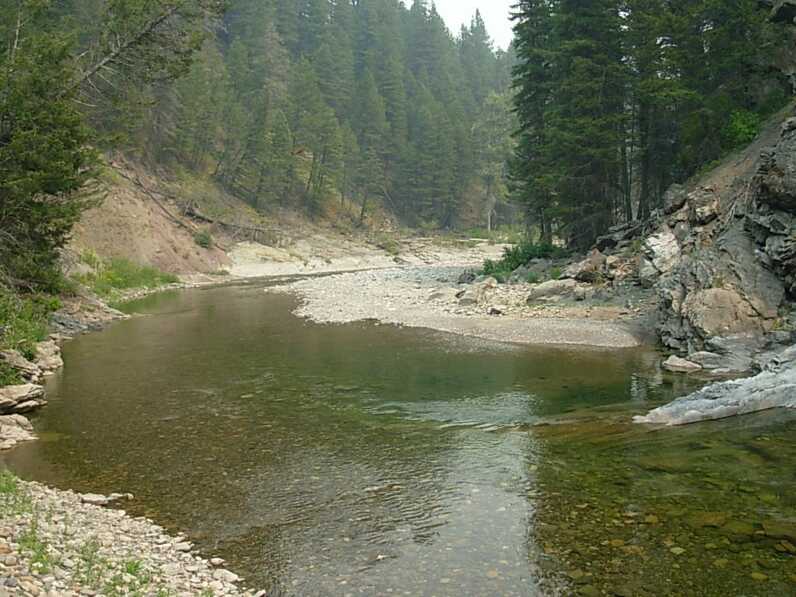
x,y
366,459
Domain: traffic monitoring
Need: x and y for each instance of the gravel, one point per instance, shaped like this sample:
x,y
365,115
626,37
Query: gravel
x,y
425,297
53,543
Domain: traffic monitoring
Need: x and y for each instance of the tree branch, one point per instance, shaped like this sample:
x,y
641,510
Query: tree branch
x,y
148,27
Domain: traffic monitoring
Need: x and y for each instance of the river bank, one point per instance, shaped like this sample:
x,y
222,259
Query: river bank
x,y
61,543
431,297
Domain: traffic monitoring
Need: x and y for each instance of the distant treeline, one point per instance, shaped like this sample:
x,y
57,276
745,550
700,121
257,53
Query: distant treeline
x,y
301,102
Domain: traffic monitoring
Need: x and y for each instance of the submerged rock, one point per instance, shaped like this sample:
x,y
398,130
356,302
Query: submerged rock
x,y
774,388
679,365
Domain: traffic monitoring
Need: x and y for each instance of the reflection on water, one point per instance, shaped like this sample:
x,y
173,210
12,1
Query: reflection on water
x,y
337,460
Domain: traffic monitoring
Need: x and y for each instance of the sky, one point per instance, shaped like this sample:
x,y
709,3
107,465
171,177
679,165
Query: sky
x,y
495,13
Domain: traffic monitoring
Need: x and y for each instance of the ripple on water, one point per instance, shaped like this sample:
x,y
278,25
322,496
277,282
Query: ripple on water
x,y
356,459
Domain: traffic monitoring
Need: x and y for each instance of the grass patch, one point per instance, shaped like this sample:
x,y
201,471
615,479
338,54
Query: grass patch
x,y
389,245
114,276
24,321
204,239
41,559
91,566
14,498
519,255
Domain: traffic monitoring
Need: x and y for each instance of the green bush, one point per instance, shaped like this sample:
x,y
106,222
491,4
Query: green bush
x,y
23,322
519,255
532,278
204,239
742,129
389,245
121,274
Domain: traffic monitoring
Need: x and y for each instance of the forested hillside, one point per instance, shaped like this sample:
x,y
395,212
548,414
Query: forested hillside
x,y
300,102
295,104
618,99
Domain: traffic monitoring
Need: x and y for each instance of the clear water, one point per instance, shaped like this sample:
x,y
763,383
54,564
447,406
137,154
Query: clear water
x,y
372,460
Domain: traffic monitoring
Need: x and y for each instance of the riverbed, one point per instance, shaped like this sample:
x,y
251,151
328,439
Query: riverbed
x,y
366,459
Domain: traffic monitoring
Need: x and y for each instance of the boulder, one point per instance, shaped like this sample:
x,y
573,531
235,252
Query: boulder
x,y
674,199
477,293
48,356
618,235
662,250
679,365
720,312
589,270
703,206
26,407
552,290
722,364
14,429
26,369
12,397
777,172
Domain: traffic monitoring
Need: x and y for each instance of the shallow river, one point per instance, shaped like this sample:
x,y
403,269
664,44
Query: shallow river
x,y
372,460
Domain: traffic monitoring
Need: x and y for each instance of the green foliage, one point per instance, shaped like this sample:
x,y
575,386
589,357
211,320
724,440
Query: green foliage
x,y
204,239
91,565
120,274
532,278
23,322
389,244
372,103
742,129
58,63
519,255
555,273
617,100
37,549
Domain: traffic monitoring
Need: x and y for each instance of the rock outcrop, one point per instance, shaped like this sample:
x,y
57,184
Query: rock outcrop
x,y
773,388
723,261
21,399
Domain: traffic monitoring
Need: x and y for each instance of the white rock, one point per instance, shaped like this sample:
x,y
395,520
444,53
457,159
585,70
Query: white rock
x,y
679,365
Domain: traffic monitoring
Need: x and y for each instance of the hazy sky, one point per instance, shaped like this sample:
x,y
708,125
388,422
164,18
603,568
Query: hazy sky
x,y
495,13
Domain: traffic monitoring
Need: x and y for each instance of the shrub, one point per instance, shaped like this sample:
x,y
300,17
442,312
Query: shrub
x,y
742,129
389,245
204,239
532,278
519,255
23,322
121,274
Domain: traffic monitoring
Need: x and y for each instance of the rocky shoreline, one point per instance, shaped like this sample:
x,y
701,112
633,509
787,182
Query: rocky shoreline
x,y
60,543
435,297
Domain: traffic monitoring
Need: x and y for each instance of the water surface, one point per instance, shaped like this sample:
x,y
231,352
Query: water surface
x,y
372,460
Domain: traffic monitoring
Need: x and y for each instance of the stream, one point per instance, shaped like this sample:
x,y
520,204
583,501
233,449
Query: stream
x,y
373,460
